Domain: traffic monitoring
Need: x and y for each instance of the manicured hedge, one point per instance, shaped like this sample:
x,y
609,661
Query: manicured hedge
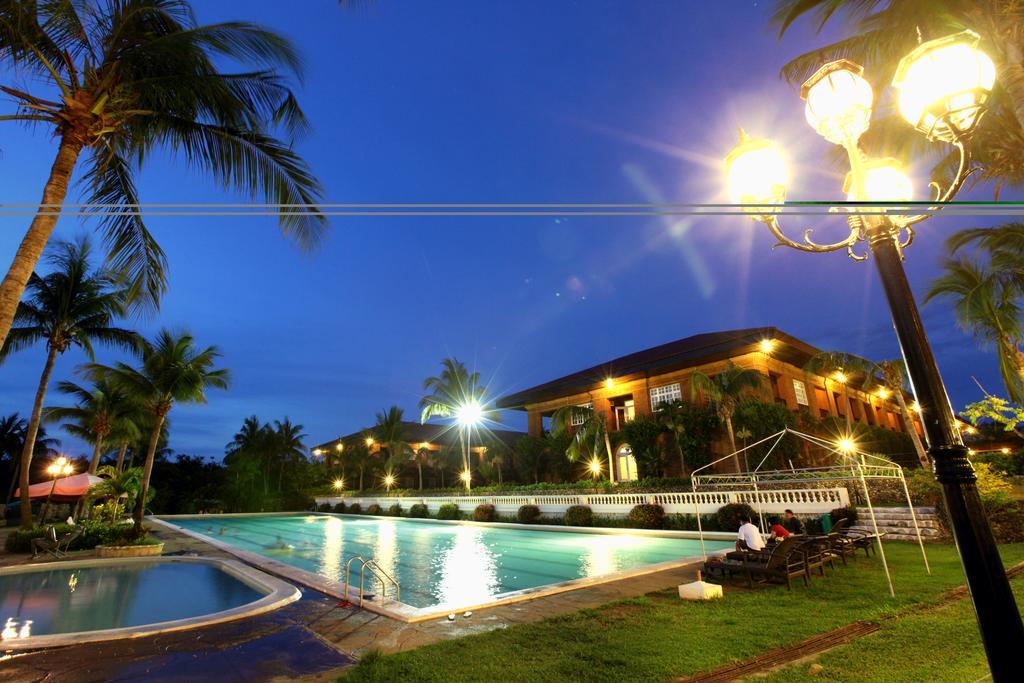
x,y
847,512
355,509
579,515
324,507
339,507
729,515
528,514
647,516
419,511
448,511
395,510
373,509
484,513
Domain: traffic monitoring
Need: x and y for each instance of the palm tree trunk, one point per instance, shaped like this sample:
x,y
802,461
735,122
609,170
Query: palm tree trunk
x,y
96,452
608,450
419,469
32,245
15,468
846,405
120,456
30,437
682,460
908,423
147,472
732,443
361,477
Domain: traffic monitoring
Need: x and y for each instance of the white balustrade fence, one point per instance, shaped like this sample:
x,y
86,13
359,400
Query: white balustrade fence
x,y
800,501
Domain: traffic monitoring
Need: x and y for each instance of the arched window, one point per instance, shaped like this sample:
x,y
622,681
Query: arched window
x,y
625,464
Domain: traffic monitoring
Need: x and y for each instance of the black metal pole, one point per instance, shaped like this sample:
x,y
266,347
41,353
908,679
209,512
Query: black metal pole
x,y
1002,631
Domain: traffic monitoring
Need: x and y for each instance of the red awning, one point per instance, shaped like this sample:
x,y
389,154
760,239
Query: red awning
x,y
68,487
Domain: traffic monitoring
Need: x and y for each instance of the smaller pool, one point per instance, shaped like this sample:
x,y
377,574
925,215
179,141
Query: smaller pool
x,y
42,605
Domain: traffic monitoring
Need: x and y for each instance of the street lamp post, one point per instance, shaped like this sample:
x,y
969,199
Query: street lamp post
x,y
468,415
60,466
942,86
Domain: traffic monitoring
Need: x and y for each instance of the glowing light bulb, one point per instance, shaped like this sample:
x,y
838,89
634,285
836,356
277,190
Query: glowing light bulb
x,y
839,101
943,84
466,476
469,413
339,484
755,173
846,445
609,383
840,377
766,345
369,441
389,481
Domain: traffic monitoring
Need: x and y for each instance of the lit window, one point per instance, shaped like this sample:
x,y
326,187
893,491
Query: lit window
x,y
578,418
801,392
669,392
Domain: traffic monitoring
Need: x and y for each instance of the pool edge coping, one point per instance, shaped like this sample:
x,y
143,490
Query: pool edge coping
x,y
404,612
278,594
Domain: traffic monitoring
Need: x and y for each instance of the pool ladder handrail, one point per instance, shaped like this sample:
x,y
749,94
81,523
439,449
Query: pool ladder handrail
x,y
376,571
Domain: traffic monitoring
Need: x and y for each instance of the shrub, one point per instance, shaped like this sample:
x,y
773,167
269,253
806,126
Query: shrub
x,y
94,533
647,516
419,511
528,514
729,515
373,509
395,510
579,515
1007,520
682,522
355,509
484,513
324,507
448,511
339,507
848,512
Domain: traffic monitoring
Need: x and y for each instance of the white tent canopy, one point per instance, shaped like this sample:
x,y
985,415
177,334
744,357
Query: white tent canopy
x,y
851,464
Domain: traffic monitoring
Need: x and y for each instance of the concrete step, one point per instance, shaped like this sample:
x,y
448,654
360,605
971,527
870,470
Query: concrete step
x,y
900,531
899,523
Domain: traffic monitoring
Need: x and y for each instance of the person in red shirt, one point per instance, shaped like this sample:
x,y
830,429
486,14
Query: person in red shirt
x,y
779,532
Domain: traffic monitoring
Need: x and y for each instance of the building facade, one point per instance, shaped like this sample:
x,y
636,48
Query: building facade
x,y
633,385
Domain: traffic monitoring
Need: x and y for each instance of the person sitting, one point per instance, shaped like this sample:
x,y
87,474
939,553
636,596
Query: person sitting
x,y
793,523
749,537
779,532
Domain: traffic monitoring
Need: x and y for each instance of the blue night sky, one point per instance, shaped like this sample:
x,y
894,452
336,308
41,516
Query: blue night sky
x,y
534,101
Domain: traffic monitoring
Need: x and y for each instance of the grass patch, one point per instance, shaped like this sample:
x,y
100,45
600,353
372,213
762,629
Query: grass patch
x,y
658,639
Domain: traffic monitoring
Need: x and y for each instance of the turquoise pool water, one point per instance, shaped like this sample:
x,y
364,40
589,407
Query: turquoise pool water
x,y
74,599
441,564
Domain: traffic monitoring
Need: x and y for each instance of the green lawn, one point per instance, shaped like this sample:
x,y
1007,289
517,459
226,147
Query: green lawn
x,y
657,637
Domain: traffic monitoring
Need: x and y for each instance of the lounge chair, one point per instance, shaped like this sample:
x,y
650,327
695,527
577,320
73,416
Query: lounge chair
x,y
51,544
784,561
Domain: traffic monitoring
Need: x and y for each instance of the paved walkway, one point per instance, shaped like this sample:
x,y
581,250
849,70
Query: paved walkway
x,y
312,640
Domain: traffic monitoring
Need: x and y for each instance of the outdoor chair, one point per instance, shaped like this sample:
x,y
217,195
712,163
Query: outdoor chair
x,y
817,553
51,544
863,540
784,562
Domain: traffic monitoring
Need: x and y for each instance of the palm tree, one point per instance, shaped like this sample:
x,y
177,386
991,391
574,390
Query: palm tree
x,y
988,308
101,410
894,376
12,441
73,305
421,456
454,388
840,367
391,434
529,455
123,78
724,390
287,439
172,370
359,456
589,432
117,485
881,32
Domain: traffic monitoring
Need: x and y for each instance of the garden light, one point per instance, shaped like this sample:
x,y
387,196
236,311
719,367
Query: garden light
x,y
469,413
339,484
941,89
317,452
595,467
369,441
339,446
466,476
389,481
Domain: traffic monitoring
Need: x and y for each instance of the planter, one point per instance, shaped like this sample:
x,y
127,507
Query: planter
x,y
129,550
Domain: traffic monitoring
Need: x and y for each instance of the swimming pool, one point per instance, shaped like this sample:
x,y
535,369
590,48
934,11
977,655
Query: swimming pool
x,y
43,605
443,566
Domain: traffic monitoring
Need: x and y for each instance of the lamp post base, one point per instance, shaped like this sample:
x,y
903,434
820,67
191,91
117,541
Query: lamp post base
x,y
1002,630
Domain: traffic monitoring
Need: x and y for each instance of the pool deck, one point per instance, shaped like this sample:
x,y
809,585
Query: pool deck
x,y
311,640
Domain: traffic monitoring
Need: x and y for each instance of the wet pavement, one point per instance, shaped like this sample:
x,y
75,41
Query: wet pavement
x,y
311,640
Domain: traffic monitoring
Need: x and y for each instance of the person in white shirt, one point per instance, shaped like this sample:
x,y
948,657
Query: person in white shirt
x,y
749,538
